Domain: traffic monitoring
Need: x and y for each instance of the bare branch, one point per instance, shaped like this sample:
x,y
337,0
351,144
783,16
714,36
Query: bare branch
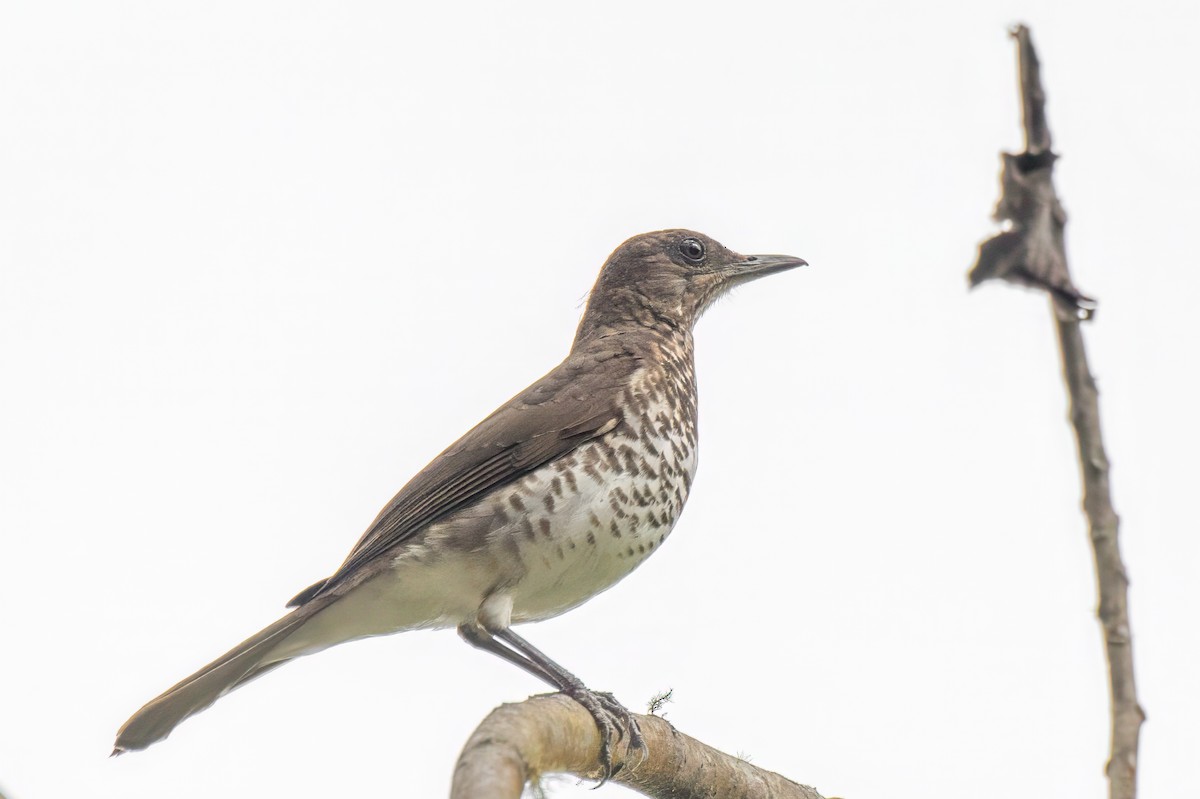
x,y
1032,253
1033,96
549,734
1113,581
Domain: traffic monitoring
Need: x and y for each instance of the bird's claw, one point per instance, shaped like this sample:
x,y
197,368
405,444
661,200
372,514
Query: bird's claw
x,y
628,721
613,720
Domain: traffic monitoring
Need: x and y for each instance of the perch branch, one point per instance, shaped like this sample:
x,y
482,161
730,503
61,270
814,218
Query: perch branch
x,y
549,734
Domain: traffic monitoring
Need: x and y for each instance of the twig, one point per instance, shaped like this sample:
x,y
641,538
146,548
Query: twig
x,y
1127,714
1032,253
548,734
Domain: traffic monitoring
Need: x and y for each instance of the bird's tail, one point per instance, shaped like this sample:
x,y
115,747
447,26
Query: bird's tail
x,y
247,660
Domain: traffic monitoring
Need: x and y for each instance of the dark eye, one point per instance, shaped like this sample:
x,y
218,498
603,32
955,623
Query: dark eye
x,y
692,250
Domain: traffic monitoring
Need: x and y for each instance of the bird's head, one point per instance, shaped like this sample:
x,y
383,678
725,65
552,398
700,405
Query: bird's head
x,y
669,277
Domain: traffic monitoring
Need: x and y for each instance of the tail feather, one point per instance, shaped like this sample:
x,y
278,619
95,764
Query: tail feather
x,y
243,663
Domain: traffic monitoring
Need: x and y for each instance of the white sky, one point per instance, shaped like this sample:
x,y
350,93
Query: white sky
x,y
262,261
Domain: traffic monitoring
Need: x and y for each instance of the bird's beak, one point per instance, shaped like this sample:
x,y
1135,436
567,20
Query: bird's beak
x,y
752,266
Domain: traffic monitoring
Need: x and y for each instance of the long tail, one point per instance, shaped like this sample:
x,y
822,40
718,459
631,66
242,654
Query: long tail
x,y
243,663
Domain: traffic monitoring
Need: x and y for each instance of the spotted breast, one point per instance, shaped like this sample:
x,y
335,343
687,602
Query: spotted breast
x,y
587,520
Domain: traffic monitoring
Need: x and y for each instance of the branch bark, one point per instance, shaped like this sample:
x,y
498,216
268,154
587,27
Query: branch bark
x,y
1033,253
1127,715
519,743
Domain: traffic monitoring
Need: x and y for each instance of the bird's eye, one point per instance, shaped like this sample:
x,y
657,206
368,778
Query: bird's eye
x,y
692,250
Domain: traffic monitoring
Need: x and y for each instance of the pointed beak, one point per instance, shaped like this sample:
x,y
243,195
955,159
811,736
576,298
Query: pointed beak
x,y
753,266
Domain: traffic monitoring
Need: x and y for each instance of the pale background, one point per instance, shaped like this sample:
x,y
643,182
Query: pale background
x,y
262,261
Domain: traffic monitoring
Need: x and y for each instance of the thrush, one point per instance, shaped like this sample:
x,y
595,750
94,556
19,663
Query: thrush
x,y
555,497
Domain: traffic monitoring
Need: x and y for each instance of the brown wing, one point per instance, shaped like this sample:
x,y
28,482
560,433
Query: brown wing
x,y
578,400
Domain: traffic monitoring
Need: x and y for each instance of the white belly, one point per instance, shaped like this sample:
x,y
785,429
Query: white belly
x,y
590,535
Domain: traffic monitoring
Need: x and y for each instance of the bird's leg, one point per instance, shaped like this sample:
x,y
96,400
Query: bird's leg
x,y
611,717
475,635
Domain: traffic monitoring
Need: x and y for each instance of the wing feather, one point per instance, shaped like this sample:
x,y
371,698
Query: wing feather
x,y
572,404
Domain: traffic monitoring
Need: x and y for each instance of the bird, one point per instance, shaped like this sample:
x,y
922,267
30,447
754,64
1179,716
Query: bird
x,y
556,496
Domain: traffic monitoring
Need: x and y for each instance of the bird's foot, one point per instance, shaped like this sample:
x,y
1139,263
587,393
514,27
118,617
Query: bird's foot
x,y
613,720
